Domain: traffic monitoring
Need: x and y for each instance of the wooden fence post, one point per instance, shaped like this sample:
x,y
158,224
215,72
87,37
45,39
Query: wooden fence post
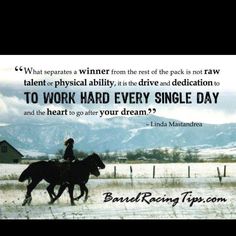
x,y
131,175
219,176
153,173
224,170
188,171
114,172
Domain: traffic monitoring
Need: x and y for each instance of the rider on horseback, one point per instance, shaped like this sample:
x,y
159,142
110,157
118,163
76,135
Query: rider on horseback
x,y
69,154
68,158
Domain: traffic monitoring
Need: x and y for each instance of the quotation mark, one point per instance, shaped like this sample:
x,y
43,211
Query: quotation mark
x,y
18,68
153,110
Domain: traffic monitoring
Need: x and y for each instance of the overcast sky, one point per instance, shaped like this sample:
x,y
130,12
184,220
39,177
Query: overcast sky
x,y
13,103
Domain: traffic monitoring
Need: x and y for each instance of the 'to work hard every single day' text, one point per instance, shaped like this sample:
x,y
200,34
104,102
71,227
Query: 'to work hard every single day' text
x,y
122,97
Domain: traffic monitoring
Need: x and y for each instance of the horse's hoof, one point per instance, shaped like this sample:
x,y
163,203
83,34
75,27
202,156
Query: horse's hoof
x,y
29,201
51,202
73,204
85,200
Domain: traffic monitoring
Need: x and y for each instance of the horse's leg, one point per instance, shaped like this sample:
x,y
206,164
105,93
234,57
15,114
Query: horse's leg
x,y
51,192
81,193
60,191
86,193
71,190
30,188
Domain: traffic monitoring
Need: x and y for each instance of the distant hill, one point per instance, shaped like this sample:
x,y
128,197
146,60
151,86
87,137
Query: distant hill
x,y
116,134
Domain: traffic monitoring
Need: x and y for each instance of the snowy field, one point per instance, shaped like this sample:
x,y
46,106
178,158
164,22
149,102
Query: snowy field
x,y
170,195
142,170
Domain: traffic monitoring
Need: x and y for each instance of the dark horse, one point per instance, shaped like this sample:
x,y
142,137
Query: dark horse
x,y
50,171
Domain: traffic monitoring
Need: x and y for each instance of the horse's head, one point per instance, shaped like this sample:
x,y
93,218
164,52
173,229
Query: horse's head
x,y
97,160
95,163
94,170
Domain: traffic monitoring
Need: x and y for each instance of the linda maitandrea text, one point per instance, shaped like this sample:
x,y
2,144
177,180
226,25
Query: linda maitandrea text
x,y
148,198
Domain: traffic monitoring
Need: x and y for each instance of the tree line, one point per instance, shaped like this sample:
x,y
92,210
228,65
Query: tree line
x,y
154,155
158,155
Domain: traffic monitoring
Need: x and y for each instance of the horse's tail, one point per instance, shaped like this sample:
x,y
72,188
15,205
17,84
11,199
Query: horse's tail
x,y
25,174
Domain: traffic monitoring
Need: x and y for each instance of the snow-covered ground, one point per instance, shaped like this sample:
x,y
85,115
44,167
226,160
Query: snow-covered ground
x,y
96,208
145,170
170,169
11,169
170,195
